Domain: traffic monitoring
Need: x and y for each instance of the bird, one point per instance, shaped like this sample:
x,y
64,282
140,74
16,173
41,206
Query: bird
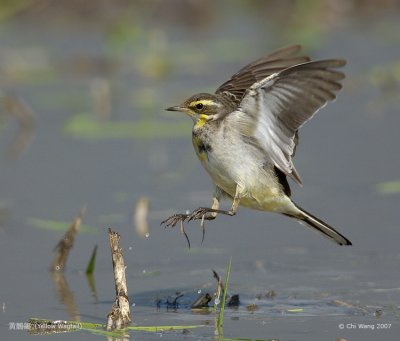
x,y
245,134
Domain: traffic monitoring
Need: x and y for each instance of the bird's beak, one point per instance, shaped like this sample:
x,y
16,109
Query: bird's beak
x,y
176,108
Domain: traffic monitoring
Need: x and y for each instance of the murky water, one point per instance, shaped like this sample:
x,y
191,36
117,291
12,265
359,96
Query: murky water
x,y
97,81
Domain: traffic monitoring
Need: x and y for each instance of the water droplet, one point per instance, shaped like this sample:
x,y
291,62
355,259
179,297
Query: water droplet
x,y
217,301
133,304
187,211
147,235
130,248
144,271
199,291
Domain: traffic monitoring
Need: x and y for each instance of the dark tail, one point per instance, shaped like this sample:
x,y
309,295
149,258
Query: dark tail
x,y
322,227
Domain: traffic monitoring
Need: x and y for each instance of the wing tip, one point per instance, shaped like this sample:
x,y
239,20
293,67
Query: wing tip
x,y
286,51
296,177
336,62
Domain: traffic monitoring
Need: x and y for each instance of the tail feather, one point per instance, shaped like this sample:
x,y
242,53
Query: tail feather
x,y
322,227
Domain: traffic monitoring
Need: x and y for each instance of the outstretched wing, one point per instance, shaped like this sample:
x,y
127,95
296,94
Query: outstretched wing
x,y
273,109
279,60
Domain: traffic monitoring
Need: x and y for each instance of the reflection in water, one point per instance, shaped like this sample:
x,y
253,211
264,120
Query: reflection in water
x,y
90,271
124,338
65,295
92,285
65,244
26,118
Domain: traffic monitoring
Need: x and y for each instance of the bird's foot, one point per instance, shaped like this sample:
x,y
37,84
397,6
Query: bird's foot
x,y
201,213
173,220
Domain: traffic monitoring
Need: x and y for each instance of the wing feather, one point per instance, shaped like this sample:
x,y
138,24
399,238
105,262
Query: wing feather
x,y
274,108
237,85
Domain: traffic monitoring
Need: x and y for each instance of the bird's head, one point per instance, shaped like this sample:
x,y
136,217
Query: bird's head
x,y
203,107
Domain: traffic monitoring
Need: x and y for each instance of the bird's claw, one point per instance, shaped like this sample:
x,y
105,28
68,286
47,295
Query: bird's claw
x,y
175,219
197,214
200,213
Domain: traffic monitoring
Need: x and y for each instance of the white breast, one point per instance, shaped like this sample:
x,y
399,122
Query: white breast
x,y
232,161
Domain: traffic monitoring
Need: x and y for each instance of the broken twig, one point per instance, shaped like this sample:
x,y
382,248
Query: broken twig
x,y
120,316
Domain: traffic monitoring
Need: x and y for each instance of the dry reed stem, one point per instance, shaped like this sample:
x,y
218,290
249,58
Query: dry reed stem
x,y
120,316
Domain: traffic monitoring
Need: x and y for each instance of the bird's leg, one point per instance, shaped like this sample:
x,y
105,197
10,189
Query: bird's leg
x,y
236,200
180,218
210,215
201,212
205,213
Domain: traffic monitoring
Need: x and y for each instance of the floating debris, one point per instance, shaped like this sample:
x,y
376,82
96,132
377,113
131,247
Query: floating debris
x,y
201,302
295,310
174,304
234,301
252,307
270,294
358,309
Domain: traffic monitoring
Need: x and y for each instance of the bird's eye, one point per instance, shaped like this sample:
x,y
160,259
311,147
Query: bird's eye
x,y
199,106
